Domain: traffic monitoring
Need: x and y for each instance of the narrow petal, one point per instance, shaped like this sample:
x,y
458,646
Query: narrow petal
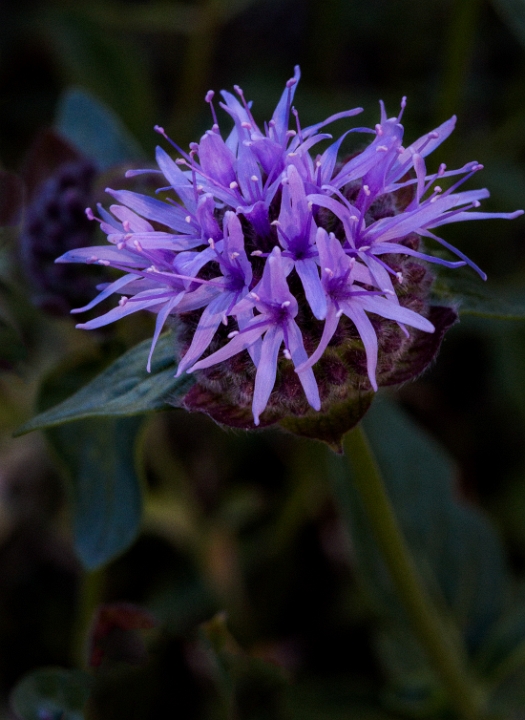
x,y
295,342
368,336
308,271
171,215
330,326
240,342
159,324
205,331
107,291
266,371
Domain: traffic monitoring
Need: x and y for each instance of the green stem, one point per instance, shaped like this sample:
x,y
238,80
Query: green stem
x,y
459,47
91,586
431,630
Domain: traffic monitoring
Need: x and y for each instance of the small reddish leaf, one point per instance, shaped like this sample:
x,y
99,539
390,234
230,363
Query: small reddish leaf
x,y
113,635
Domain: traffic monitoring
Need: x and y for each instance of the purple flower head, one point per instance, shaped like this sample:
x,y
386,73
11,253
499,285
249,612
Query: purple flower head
x,y
299,281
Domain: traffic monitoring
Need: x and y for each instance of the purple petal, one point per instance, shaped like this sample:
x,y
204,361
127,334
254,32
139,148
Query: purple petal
x,y
266,371
240,342
367,334
152,209
159,324
308,271
330,326
392,311
205,331
295,342
107,291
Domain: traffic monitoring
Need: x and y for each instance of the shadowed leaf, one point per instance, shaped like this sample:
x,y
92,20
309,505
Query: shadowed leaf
x,y
123,389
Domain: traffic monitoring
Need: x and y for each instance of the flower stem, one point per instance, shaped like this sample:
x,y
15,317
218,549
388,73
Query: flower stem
x,y
444,653
91,586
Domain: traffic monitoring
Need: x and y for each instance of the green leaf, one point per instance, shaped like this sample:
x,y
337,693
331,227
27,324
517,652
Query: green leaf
x,y
457,552
51,694
123,389
94,130
513,13
464,290
99,456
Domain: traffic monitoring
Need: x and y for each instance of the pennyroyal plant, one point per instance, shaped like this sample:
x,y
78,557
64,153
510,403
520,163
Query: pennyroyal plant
x,y
299,279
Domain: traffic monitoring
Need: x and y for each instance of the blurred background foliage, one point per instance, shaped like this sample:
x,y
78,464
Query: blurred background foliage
x,y
245,596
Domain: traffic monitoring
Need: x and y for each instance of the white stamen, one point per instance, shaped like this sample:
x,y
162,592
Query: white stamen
x,y
286,304
254,178
126,226
257,253
211,243
437,189
188,219
123,300
246,125
89,213
379,129
233,334
103,262
399,276
254,296
234,185
286,354
339,313
180,161
291,133
137,245
381,148
224,320
366,190
121,245
234,255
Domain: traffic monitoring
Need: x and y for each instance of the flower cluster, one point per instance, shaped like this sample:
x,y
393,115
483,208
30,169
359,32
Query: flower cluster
x,y
277,259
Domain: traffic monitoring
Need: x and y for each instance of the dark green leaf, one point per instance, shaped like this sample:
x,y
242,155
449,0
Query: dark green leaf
x,y
458,553
513,13
464,290
51,694
95,130
123,389
99,455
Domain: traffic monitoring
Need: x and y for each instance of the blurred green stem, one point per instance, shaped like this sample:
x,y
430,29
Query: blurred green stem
x,y
90,590
459,46
198,59
435,637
